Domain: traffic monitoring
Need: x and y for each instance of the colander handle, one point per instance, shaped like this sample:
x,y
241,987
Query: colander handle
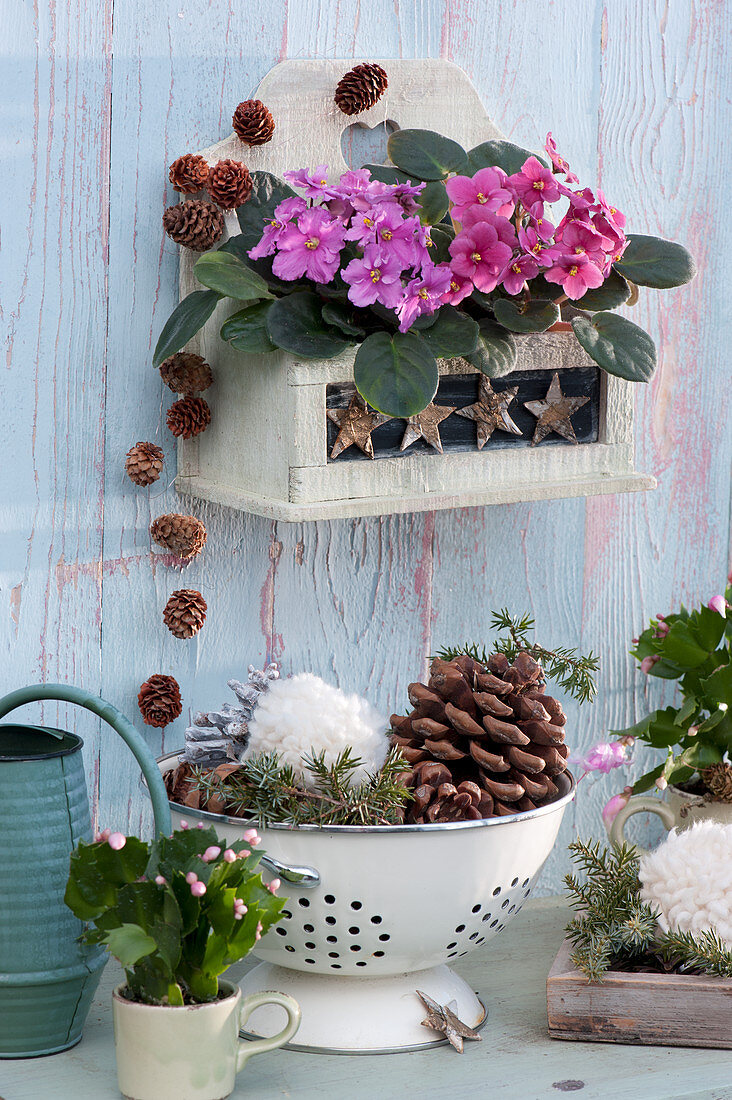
x,y
307,878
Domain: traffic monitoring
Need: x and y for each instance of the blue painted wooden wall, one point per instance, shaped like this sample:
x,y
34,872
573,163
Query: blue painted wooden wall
x,y
99,96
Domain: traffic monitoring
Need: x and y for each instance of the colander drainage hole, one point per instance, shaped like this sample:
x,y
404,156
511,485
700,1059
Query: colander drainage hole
x,y
473,936
286,914
385,937
329,899
506,902
310,961
524,883
486,917
356,905
451,945
494,923
331,939
311,947
304,902
330,920
512,909
355,947
376,920
476,908
354,931
452,955
497,891
333,955
360,963
378,954
460,928
281,931
335,966
526,893
514,882
308,928
289,947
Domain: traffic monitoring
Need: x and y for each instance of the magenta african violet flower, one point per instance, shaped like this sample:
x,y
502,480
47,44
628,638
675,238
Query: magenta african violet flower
x,y
579,238
532,244
423,295
314,184
374,278
311,246
479,254
517,271
399,236
486,189
559,164
459,288
534,185
576,274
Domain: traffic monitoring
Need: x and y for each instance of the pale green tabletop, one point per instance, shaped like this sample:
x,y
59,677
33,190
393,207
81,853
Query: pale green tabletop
x,y
515,1060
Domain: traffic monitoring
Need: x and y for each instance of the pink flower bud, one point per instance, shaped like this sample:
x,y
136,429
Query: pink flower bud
x,y
229,856
198,889
635,641
257,936
661,630
648,662
211,854
660,617
274,885
104,835
238,915
117,841
184,825
250,835
612,808
199,824
692,731
718,603
191,877
255,841
159,880
662,783
244,853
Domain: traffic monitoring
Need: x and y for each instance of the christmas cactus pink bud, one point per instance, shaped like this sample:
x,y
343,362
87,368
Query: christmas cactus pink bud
x,y
244,853
255,841
191,877
648,662
238,915
184,825
199,824
159,880
229,855
662,630
692,731
660,617
612,808
211,854
198,889
719,604
662,783
117,841
258,933
635,641
250,835
274,885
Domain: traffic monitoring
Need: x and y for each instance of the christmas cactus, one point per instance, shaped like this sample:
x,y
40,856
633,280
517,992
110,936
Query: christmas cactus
x,y
176,913
440,253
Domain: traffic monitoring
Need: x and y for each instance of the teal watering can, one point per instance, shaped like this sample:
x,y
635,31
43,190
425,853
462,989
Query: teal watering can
x,y
47,977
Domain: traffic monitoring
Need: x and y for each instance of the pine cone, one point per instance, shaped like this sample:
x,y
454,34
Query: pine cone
x,y
186,373
361,88
184,536
229,184
253,123
144,463
718,780
189,416
159,701
483,740
194,223
185,612
189,173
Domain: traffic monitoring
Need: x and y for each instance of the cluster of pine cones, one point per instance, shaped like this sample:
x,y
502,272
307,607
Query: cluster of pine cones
x,y
483,740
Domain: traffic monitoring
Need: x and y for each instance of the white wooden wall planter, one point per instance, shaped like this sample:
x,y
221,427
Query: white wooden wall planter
x,y
266,449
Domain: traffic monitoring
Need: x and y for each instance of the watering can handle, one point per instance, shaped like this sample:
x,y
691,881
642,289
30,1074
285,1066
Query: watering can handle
x,y
113,717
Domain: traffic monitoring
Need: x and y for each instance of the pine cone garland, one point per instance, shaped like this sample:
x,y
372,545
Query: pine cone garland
x,y
185,612
188,173
229,184
718,781
184,536
189,416
159,701
361,88
144,463
186,373
483,740
253,123
196,224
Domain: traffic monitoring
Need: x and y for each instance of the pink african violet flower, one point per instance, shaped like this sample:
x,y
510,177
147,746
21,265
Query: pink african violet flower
x,y
374,279
559,164
615,216
399,236
719,604
314,184
531,242
191,877
283,214
605,756
274,885
576,274
211,854
580,201
486,189
160,881
116,841
514,275
229,855
479,254
579,238
459,288
311,246
404,195
534,185
648,662
198,889
544,228
363,227
423,295
612,808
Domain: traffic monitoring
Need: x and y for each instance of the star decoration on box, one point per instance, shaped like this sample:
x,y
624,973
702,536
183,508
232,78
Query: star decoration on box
x,y
425,425
443,1018
554,413
355,425
490,412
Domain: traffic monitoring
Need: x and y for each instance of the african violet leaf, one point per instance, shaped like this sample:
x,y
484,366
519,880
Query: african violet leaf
x,y
651,261
532,316
184,322
268,191
425,155
225,273
452,333
502,154
617,345
341,317
246,330
433,201
613,292
396,374
295,324
495,353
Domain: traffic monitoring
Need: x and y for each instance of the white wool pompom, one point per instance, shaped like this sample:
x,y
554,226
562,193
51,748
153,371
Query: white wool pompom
x,y
688,879
306,716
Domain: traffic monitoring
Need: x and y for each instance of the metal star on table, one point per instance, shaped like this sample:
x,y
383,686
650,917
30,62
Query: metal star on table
x,y
425,426
355,425
442,1018
490,412
554,412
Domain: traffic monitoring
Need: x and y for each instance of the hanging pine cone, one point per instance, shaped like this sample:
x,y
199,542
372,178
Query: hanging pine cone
x,y
361,88
253,123
184,536
144,463
159,701
194,223
718,781
229,184
189,416
483,740
185,612
186,373
188,173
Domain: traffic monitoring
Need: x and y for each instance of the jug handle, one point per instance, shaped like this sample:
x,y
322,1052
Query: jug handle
x,y
69,694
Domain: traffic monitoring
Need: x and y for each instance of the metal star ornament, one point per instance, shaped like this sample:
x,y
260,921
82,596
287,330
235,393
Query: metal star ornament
x,y
442,1018
490,412
425,425
355,425
554,412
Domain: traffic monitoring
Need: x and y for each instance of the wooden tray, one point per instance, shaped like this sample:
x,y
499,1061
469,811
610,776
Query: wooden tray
x,y
678,1010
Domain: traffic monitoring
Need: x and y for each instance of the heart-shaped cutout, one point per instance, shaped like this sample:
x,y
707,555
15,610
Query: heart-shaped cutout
x,y
362,144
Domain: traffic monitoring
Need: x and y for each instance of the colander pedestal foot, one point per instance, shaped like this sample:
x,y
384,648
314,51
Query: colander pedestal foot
x,y
349,1015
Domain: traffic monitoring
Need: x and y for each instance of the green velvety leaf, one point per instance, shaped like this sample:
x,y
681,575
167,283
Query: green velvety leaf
x,y
225,273
453,333
295,323
184,322
532,316
718,686
502,154
425,155
651,261
268,191
617,345
495,352
396,374
340,316
246,330
613,292
440,238
433,201
129,942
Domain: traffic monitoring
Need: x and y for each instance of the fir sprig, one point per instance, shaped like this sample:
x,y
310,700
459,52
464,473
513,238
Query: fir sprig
x,y
572,671
267,791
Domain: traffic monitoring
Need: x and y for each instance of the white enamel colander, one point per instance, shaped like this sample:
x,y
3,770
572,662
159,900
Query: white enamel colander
x,y
375,913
